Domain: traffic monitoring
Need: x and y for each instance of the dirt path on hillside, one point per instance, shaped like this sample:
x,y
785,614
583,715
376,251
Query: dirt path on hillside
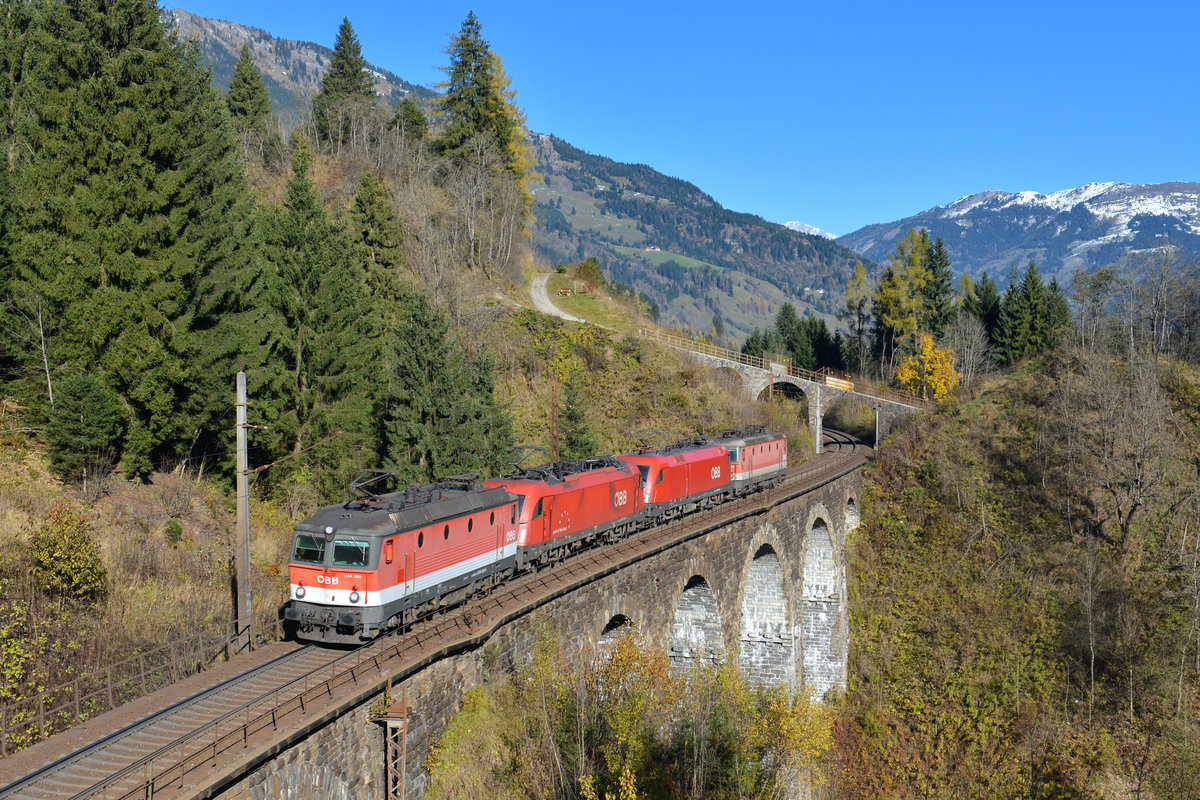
x,y
541,299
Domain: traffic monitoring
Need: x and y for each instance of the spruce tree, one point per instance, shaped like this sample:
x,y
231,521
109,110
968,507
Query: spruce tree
x,y
576,438
376,234
129,207
327,379
248,101
938,291
347,81
438,413
984,305
84,428
477,101
411,121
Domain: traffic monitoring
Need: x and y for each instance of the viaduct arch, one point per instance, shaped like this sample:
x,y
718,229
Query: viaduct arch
x,y
769,587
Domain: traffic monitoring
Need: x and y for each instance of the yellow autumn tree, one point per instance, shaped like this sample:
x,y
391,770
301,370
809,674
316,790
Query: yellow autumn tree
x,y
929,372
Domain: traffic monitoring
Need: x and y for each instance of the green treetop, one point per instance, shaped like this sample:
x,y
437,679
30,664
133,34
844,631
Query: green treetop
x,y
858,299
346,81
899,299
984,304
938,290
478,102
248,101
411,120
375,232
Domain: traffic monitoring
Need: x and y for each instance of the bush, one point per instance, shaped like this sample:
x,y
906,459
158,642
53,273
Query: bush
x,y
66,561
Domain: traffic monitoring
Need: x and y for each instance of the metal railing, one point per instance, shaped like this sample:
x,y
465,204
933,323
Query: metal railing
x,y
824,376
51,711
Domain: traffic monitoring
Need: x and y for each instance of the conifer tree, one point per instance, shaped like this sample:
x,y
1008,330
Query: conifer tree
x,y
984,305
477,101
347,81
899,299
129,209
858,299
794,337
376,234
248,101
576,438
938,291
411,121
438,414
328,383
84,428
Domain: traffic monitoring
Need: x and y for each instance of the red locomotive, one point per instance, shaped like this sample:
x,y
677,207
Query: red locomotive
x,y
379,562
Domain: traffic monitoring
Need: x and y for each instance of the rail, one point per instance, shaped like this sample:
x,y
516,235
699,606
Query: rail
x,y
835,379
40,716
170,766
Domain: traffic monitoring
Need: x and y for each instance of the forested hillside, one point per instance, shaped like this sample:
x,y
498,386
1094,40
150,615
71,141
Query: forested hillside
x,y
1025,591
667,238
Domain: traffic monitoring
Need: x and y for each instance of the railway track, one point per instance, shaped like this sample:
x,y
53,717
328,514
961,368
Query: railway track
x,y
78,772
169,753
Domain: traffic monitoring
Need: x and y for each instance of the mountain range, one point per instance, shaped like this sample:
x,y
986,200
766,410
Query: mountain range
x,y
659,235
668,239
1084,227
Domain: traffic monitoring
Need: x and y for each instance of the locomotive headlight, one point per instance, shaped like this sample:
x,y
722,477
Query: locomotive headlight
x,y
354,596
300,590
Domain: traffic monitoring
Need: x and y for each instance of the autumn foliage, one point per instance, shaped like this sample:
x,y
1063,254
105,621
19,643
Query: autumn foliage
x,y
626,723
929,371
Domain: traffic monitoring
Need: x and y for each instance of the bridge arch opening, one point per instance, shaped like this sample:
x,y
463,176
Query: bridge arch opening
x,y
819,614
696,631
766,648
617,626
852,517
784,390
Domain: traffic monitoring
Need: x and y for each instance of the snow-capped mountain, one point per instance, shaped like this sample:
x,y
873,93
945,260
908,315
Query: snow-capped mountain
x,y
809,229
1082,227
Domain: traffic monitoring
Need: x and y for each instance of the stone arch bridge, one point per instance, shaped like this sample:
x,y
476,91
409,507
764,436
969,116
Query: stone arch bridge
x,y
767,584
821,388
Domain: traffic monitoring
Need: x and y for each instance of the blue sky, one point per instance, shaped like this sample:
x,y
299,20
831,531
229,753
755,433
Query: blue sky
x,y
837,114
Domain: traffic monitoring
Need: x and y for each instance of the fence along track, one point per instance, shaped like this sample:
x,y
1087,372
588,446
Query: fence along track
x,y
226,739
76,772
40,716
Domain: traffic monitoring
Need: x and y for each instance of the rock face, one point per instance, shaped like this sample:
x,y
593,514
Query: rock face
x,y
1083,227
770,587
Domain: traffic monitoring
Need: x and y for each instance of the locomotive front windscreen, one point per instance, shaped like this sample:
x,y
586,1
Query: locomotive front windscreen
x,y
309,549
350,553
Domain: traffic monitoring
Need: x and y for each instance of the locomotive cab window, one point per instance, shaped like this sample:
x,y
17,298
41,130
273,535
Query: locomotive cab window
x,y
733,456
659,478
537,510
309,549
644,475
350,553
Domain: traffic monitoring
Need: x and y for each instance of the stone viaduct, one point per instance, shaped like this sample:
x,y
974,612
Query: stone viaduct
x,y
768,589
820,389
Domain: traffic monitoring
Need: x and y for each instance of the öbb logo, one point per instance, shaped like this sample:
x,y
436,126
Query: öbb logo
x,y
328,579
